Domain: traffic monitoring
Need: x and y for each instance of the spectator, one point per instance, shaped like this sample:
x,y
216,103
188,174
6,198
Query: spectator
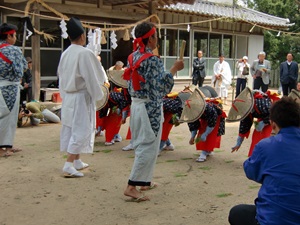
x,y
275,165
26,93
222,78
260,71
199,70
288,74
243,71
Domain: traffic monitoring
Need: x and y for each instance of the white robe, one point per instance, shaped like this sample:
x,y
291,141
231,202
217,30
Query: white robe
x,y
222,85
80,76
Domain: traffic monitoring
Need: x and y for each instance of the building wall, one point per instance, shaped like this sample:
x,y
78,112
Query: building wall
x,y
256,45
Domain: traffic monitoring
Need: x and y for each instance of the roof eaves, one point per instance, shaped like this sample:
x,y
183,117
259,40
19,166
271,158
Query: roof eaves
x,y
239,13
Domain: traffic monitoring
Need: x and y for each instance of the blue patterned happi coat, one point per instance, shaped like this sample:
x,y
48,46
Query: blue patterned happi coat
x,y
158,84
11,72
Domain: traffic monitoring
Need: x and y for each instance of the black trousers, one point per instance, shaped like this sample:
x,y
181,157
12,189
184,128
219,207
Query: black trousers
x,y
258,83
198,80
286,88
243,215
240,85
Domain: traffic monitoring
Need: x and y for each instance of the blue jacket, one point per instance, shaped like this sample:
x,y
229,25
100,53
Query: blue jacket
x,y
287,76
275,163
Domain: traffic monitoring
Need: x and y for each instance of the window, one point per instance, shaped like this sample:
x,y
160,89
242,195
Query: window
x,y
171,43
227,46
200,43
161,42
215,43
184,35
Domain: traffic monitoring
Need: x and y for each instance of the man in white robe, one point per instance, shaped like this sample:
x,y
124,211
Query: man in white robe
x,y
221,79
80,77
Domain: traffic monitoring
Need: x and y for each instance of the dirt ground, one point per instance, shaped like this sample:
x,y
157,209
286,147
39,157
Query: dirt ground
x,y
33,190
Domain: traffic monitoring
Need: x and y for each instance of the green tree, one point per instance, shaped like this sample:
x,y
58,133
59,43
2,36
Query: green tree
x,y
275,46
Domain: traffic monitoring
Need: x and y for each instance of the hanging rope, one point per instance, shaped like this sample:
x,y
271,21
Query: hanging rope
x,y
118,27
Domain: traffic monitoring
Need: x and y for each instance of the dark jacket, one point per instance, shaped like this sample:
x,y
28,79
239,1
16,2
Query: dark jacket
x,y
199,67
288,74
27,78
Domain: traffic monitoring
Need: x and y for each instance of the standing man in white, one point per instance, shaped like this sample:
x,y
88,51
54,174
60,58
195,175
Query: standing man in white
x,y
80,77
222,78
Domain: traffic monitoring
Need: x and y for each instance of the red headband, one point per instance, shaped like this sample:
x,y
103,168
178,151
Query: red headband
x,y
9,32
138,42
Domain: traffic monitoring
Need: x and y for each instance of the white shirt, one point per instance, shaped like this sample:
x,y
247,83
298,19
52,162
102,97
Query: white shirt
x,y
240,66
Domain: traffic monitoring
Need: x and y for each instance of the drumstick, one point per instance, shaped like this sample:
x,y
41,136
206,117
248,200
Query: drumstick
x,y
182,50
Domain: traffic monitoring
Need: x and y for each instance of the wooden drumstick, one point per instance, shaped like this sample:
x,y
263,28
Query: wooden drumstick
x,y
182,50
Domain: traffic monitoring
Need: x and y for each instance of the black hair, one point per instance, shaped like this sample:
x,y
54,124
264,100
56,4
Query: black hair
x,y
5,28
285,112
142,29
75,39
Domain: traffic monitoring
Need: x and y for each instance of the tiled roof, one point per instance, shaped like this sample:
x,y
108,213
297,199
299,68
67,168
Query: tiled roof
x,y
220,10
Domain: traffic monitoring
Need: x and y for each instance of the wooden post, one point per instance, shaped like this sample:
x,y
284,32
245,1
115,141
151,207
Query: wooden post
x,y
36,57
152,10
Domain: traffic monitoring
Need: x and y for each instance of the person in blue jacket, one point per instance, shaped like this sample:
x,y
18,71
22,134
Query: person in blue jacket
x,y
275,165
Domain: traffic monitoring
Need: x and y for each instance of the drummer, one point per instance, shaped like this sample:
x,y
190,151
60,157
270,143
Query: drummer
x,y
114,112
117,67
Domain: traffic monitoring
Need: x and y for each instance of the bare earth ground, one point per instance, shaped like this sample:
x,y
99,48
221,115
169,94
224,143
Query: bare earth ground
x,y
33,190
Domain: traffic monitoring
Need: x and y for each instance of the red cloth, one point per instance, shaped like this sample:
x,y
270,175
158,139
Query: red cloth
x,y
132,73
112,125
99,121
2,56
212,140
166,126
258,136
128,136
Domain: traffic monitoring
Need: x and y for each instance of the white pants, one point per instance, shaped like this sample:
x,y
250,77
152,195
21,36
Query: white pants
x,y
8,121
222,91
144,141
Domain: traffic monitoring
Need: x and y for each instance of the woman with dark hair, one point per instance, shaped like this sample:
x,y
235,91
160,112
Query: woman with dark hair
x,y
12,65
148,84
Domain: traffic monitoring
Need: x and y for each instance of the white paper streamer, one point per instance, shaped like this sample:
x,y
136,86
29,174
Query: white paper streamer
x,y
132,32
188,28
29,34
63,28
113,40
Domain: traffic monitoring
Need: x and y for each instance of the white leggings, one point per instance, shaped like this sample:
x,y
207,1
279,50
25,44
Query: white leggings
x,y
49,117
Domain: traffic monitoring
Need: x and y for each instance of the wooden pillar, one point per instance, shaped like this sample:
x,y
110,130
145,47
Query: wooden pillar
x,y
152,9
36,56
99,3
1,12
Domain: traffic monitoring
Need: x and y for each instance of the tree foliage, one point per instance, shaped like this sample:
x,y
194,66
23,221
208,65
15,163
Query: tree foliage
x,y
275,46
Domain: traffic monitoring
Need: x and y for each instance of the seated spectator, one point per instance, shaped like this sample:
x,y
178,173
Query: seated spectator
x,y
275,165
